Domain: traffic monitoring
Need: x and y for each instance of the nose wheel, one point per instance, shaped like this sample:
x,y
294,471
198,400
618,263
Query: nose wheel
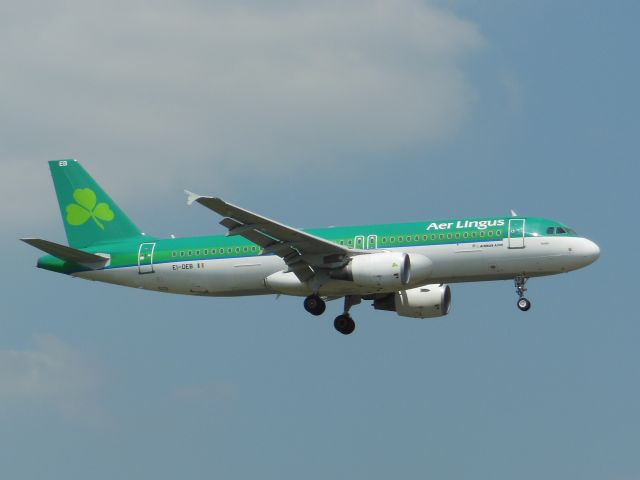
x,y
523,303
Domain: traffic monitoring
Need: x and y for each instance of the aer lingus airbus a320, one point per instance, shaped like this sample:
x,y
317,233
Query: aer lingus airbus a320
x,y
403,268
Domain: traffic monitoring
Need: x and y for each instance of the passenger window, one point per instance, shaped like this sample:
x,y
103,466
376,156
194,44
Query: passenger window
x,y
457,235
190,253
213,251
237,249
491,233
433,237
229,250
466,235
341,242
384,239
206,251
400,239
417,238
392,239
182,253
474,234
197,253
550,230
245,249
424,237
449,236
173,254
253,249
441,236
350,242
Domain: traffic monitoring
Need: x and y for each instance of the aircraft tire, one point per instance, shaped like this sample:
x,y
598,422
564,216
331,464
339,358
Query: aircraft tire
x,y
315,305
344,324
524,304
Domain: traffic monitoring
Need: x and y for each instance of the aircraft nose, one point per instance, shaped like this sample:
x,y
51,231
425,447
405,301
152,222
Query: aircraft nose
x,y
589,251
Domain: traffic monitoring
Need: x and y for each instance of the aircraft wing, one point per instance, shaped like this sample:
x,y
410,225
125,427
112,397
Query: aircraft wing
x,y
301,251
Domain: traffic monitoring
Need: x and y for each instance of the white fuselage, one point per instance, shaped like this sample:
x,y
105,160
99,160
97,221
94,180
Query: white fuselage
x,y
452,263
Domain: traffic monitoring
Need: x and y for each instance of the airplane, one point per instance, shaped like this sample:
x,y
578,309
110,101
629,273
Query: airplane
x,y
404,268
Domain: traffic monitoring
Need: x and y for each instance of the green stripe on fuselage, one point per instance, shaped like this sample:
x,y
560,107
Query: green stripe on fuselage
x,y
440,232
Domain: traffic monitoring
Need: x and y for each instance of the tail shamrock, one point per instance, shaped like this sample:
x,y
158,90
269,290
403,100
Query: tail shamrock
x,y
89,215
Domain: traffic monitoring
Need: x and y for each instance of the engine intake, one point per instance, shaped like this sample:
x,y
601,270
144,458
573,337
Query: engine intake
x,y
429,301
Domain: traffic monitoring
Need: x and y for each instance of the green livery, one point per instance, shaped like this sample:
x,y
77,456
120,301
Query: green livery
x,y
403,267
90,216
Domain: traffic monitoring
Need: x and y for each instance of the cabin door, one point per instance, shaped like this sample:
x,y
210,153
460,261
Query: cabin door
x,y
516,233
145,257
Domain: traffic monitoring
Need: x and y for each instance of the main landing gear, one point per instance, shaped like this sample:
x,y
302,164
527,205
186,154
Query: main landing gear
x,y
523,303
315,305
343,323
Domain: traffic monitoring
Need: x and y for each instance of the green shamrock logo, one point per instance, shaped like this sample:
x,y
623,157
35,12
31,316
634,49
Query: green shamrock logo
x,y
85,208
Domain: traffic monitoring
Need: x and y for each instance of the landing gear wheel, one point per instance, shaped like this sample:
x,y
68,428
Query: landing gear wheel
x,y
344,324
524,304
314,305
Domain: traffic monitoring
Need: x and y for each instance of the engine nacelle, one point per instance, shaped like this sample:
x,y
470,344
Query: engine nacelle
x,y
385,270
428,301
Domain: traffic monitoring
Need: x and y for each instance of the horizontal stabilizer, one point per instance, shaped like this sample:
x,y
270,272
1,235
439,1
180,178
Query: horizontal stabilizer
x,y
68,254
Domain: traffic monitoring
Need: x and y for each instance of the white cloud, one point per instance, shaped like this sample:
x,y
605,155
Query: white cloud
x,y
53,376
224,87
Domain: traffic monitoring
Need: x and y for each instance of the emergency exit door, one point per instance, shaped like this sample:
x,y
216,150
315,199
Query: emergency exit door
x,y
145,257
516,233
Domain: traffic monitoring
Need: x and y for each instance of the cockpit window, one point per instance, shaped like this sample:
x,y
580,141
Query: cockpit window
x,y
560,231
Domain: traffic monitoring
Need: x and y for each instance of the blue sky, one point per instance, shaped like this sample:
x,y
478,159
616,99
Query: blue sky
x,y
335,114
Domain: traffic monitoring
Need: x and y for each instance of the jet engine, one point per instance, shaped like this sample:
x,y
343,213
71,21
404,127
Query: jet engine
x,y
385,270
423,302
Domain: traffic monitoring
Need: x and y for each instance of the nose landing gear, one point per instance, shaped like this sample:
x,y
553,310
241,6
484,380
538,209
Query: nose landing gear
x,y
523,303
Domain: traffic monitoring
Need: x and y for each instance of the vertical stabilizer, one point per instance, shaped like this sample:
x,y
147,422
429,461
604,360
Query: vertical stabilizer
x,y
89,215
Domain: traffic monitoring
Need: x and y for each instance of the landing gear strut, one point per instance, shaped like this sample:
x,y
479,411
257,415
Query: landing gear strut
x,y
314,305
523,303
344,323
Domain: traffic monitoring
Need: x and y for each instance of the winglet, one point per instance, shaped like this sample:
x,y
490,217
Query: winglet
x,y
191,197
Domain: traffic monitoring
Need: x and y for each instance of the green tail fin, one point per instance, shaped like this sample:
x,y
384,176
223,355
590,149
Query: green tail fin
x,y
89,215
